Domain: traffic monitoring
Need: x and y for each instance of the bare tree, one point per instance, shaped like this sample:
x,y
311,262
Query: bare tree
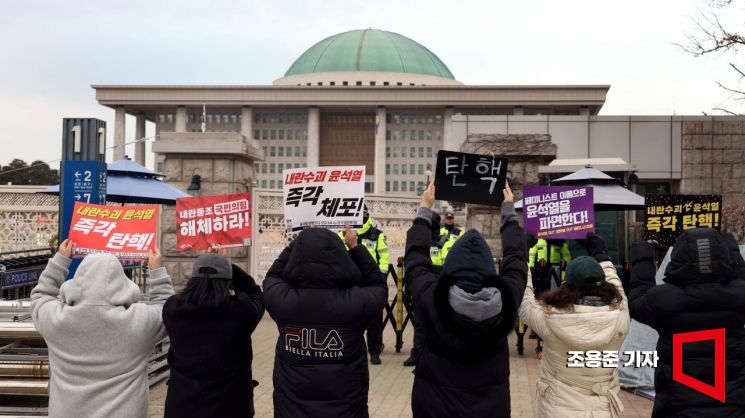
x,y
711,36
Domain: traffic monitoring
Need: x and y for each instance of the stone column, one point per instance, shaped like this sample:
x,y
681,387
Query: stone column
x,y
119,122
139,135
314,137
448,140
380,152
181,119
247,124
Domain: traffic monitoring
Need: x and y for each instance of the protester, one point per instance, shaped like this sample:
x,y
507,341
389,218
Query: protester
x,y
372,238
210,325
704,290
468,311
98,333
322,298
587,313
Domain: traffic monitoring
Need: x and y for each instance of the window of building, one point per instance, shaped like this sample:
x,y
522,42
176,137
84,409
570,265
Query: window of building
x,y
396,152
297,135
273,134
305,134
372,83
257,117
412,186
265,134
387,169
369,187
421,135
289,134
399,83
281,118
344,83
387,135
263,184
403,186
403,152
265,151
385,83
332,83
403,169
412,152
405,118
209,118
263,168
387,186
263,118
272,168
297,165
169,118
395,169
438,118
272,118
421,152
429,134
429,152
280,167
297,151
272,151
359,83
438,135
192,117
281,134
226,118
394,135
412,135
305,153
162,118
388,152
280,151
396,118
257,134
395,186
271,184
411,168
420,169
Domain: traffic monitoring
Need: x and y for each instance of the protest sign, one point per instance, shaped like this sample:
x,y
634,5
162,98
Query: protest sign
x,y
128,232
667,216
205,220
470,178
558,211
327,197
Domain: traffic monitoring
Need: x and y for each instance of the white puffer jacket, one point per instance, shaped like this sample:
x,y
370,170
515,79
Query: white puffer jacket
x,y
578,392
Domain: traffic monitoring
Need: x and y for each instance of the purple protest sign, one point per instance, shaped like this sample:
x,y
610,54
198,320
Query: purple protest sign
x,y
558,211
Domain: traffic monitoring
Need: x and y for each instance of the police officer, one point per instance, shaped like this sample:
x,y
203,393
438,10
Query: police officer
x,y
373,239
543,257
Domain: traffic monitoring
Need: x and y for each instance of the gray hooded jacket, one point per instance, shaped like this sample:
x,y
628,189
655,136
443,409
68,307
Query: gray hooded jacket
x,y
99,336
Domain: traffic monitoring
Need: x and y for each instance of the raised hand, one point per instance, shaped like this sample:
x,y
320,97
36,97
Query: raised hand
x,y
154,260
66,248
507,192
428,197
350,236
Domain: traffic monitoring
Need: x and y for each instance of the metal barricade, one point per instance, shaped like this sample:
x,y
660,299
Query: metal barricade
x,y
395,309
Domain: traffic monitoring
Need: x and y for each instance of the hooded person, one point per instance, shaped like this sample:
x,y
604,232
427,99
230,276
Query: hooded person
x,y
210,325
704,290
322,297
468,312
98,333
587,313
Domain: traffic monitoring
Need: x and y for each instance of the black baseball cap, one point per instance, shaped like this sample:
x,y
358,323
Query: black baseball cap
x,y
212,266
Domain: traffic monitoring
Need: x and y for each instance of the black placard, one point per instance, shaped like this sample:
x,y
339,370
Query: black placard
x,y
666,216
470,178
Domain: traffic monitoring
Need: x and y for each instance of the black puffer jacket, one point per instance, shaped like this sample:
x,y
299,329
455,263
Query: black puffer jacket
x,y
322,299
704,290
463,370
211,353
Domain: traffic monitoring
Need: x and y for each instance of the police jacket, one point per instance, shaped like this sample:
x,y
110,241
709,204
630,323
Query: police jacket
x,y
373,239
704,289
543,250
322,298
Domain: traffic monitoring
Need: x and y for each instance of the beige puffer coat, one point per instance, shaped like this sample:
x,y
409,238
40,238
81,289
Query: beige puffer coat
x,y
578,392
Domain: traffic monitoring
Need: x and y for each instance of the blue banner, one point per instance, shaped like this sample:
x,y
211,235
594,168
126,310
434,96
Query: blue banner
x,y
11,279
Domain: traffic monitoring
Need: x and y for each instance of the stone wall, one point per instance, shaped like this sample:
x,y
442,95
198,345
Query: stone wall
x,y
220,175
525,154
713,155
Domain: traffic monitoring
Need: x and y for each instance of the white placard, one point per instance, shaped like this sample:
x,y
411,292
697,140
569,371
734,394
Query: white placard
x,y
327,197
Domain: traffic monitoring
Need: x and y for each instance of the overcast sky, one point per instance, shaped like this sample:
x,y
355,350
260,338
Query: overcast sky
x,y
52,51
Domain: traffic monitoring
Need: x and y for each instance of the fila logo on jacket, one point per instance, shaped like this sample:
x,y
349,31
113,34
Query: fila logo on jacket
x,y
310,342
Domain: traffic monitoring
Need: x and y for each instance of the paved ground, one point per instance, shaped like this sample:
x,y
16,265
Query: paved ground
x,y
390,383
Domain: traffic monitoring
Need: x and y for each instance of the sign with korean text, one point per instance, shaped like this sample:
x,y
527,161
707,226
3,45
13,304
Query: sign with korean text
x,y
558,211
206,220
666,216
327,197
128,232
470,178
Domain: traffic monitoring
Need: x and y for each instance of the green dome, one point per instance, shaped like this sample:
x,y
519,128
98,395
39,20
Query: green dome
x,y
369,50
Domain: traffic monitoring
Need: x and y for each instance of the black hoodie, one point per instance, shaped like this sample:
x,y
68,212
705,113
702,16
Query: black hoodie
x,y
463,370
704,290
322,299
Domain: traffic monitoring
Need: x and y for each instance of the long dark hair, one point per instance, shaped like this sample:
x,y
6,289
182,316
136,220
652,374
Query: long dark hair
x,y
207,292
566,296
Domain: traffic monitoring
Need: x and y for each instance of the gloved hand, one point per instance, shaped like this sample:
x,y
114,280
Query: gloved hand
x,y
242,281
642,251
531,240
595,247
